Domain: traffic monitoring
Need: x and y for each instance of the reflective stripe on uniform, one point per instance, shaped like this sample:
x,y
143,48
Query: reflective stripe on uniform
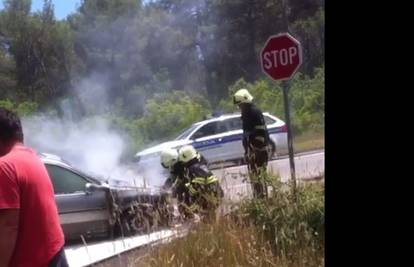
x,y
260,127
211,179
205,181
191,188
199,180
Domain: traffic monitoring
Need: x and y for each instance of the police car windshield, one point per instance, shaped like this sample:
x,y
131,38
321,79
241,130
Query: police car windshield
x,y
187,132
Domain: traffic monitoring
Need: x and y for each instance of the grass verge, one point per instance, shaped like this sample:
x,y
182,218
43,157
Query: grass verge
x,y
310,140
279,231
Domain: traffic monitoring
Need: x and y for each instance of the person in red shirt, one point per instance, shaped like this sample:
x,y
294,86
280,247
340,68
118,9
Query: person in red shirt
x,y
30,231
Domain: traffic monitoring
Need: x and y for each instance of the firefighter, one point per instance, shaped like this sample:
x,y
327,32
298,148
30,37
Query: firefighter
x,y
176,181
203,186
256,141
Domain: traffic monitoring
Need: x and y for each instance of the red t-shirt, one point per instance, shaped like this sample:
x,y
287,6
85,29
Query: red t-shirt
x,y
25,184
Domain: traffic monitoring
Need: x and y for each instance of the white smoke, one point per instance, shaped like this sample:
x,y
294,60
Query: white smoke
x,y
153,173
89,143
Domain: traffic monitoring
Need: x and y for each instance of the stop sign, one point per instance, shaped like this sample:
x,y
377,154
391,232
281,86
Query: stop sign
x,y
281,56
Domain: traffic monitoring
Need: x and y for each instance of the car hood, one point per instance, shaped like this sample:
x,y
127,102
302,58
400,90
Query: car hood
x,y
162,146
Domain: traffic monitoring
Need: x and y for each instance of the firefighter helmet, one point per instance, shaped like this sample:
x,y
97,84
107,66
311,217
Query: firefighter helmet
x,y
187,153
242,96
169,157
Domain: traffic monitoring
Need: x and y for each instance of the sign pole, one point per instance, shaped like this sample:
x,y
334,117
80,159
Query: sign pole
x,y
285,85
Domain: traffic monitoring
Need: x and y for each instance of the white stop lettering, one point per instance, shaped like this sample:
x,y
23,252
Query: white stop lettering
x,y
282,57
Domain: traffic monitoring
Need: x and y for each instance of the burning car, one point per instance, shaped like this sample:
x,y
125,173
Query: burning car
x,y
89,207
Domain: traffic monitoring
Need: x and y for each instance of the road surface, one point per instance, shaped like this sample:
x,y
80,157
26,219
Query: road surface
x,y
234,180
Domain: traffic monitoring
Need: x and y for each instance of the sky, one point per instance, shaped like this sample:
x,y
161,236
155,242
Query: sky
x,y
62,7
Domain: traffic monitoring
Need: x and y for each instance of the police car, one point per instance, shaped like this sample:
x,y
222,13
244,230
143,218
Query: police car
x,y
219,139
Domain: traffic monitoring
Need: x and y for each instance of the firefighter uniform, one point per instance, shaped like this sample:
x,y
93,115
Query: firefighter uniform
x,y
203,186
255,141
176,181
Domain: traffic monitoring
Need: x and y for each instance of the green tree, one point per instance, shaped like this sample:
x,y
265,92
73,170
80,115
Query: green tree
x,y
167,114
7,71
230,34
40,48
311,33
24,108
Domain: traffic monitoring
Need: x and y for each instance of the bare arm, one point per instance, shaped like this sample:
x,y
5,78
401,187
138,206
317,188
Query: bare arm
x,y
9,224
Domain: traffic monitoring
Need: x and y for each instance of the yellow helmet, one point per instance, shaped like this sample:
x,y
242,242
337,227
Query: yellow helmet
x,y
242,96
169,157
187,153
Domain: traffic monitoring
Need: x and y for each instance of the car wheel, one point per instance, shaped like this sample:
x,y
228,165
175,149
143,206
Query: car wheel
x,y
122,227
142,219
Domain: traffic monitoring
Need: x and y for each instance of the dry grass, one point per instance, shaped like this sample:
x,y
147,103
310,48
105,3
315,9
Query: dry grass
x,y
273,232
309,141
221,244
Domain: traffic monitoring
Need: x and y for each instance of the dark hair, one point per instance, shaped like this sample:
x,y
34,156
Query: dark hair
x,y
10,126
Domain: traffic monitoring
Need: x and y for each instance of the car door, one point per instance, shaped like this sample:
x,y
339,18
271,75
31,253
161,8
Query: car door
x,y
278,133
208,140
233,139
81,212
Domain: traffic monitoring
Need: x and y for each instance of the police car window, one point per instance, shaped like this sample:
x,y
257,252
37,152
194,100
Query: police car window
x,y
211,128
234,124
206,130
65,181
221,127
268,120
186,133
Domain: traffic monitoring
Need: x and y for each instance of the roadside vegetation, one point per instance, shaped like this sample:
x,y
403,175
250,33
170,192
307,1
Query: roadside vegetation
x,y
278,231
152,68
169,113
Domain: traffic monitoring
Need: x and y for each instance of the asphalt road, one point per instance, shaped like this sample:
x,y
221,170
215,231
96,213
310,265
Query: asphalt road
x,y
234,180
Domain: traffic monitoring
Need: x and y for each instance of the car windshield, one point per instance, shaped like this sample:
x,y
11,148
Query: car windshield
x,y
187,132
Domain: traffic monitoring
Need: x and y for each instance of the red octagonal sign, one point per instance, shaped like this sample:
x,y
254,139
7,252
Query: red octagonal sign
x,y
281,56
